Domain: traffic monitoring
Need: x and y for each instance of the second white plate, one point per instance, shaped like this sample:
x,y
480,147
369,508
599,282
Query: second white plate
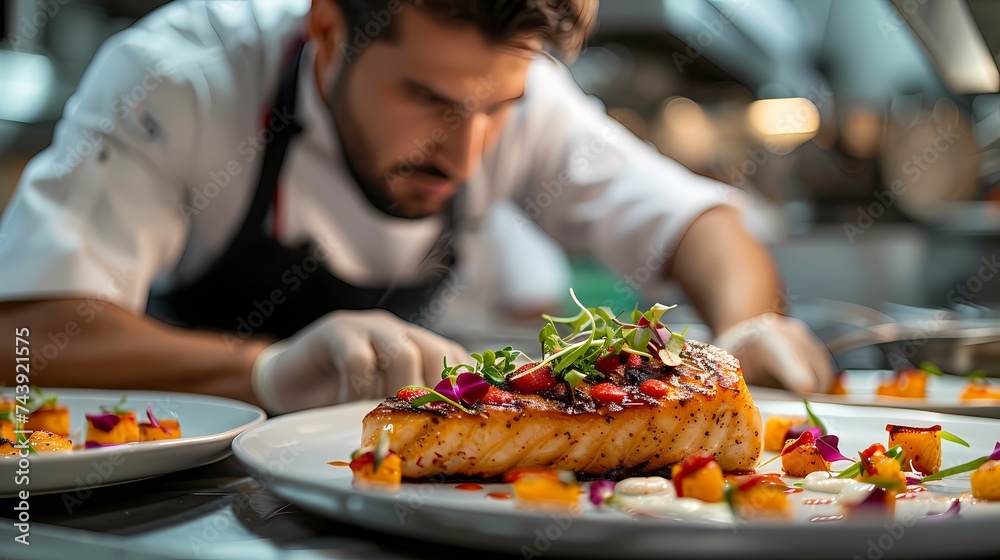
x,y
208,426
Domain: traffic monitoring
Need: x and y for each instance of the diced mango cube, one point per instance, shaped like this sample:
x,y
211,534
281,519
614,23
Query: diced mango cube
x,y
50,418
545,494
169,429
776,431
907,383
389,475
762,501
803,460
986,481
125,431
706,483
922,448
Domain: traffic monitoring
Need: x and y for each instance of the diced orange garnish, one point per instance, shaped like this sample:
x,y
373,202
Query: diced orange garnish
x,y
388,477
699,476
169,429
986,481
921,446
51,418
514,474
979,390
762,501
907,383
803,460
125,431
776,431
544,493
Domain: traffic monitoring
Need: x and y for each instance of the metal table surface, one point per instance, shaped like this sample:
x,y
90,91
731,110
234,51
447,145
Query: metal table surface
x,y
214,511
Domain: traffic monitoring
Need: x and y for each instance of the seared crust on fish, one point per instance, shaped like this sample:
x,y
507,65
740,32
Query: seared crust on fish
x,y
707,407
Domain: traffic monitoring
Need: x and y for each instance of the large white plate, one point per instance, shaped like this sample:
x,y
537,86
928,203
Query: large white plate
x,y
943,395
208,425
290,455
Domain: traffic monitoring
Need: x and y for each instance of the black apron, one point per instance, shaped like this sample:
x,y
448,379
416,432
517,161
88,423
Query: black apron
x,y
260,286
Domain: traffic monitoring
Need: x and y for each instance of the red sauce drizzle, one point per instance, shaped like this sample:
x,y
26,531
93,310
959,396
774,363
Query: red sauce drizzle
x,y
825,518
818,501
805,439
469,486
498,495
792,490
338,463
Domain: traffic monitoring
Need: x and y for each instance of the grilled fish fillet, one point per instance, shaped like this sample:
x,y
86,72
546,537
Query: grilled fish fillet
x,y
707,408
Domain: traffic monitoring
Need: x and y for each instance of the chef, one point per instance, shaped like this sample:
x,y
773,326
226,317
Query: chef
x,y
266,200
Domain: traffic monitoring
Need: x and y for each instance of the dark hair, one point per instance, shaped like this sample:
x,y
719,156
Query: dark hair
x,y
563,24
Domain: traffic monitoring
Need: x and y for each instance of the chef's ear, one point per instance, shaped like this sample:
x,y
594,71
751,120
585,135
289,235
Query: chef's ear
x,y
326,26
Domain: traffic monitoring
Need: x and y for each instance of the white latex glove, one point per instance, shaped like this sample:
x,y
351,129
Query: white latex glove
x,y
350,355
775,350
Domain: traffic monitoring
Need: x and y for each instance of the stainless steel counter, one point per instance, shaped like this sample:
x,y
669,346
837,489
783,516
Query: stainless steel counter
x,y
216,511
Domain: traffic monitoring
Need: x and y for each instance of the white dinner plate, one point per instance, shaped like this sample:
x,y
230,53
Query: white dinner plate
x,y
290,455
208,427
943,394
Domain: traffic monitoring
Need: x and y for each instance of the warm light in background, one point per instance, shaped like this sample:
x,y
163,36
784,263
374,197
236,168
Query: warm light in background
x,y
783,124
686,133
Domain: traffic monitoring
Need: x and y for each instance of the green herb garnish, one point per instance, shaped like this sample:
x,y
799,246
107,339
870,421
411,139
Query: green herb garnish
x,y
118,409
40,400
813,419
931,368
952,438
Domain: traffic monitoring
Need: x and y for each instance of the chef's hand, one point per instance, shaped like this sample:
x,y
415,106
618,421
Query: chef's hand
x,y
350,355
775,350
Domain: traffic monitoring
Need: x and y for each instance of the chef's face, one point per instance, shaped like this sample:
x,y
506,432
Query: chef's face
x,y
416,112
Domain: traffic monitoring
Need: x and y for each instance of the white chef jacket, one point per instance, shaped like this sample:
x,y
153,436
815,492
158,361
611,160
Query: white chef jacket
x,y
154,163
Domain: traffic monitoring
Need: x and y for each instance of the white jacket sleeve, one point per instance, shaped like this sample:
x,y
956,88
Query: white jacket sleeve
x,y
597,188
97,214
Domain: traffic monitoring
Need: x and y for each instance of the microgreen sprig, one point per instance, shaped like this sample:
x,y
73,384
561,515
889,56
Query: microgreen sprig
x,y
118,408
39,399
492,365
964,467
931,369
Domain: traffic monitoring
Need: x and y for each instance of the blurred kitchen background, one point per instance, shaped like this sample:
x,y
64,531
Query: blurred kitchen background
x,y
865,133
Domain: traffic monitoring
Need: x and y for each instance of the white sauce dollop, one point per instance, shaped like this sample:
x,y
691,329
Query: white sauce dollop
x,y
643,485
656,496
822,481
855,492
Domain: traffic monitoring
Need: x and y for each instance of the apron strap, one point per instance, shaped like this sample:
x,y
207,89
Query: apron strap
x,y
275,149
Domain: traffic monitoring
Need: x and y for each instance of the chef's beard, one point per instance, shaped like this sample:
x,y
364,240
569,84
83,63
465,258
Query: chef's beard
x,y
359,156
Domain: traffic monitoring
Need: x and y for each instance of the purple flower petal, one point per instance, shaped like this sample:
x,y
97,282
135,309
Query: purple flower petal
x,y
829,448
874,503
816,432
471,388
152,419
104,422
662,336
89,444
446,388
996,453
952,511
600,491
796,431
